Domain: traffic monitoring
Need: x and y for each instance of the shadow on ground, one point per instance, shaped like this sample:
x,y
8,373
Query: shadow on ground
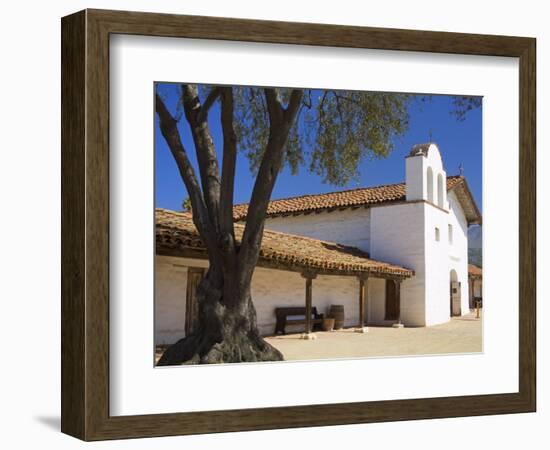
x,y
52,422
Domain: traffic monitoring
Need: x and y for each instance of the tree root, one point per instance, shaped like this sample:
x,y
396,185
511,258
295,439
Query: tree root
x,y
225,335
239,347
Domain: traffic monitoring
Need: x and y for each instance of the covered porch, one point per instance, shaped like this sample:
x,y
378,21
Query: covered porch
x,y
312,311
475,286
292,271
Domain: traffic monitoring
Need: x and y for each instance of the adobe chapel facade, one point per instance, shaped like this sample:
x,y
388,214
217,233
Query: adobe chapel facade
x,y
393,254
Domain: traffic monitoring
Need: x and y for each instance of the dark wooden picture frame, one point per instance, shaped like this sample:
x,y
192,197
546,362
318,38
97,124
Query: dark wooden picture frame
x,y
85,224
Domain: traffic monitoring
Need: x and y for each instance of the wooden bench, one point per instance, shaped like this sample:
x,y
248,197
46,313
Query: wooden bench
x,y
296,315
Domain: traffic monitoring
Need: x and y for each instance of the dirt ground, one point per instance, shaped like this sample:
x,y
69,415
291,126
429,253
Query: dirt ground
x,y
459,335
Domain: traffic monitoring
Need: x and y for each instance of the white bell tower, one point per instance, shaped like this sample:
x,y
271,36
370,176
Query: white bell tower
x,y
425,177
415,234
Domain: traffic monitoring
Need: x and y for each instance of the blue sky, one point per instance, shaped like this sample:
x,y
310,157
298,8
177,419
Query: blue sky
x,y
460,142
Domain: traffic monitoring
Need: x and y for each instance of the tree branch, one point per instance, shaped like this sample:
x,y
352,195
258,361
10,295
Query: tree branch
x,y
308,103
228,163
341,114
321,112
347,99
210,99
169,130
274,107
293,105
206,154
282,121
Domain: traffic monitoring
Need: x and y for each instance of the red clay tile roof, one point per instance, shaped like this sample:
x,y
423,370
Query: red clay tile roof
x,y
351,198
176,235
474,271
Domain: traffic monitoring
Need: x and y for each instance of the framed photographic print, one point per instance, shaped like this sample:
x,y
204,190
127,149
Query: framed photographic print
x,y
272,225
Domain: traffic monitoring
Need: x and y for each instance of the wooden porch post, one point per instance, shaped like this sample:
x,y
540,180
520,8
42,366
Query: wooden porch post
x,y
309,276
309,283
398,324
363,294
471,300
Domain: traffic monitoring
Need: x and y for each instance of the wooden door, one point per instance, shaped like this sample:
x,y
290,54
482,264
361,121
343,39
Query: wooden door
x,y
194,277
392,302
455,298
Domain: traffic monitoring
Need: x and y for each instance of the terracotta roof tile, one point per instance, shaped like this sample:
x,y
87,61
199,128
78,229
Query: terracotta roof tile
x,y
335,200
175,233
474,270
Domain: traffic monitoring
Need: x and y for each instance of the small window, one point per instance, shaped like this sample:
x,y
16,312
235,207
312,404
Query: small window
x,y
437,234
450,234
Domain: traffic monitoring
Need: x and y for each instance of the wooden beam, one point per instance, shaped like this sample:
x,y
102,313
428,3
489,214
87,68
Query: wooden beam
x,y
309,283
398,294
309,276
397,285
471,302
362,298
366,317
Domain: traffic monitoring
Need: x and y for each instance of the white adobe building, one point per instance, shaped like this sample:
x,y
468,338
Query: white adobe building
x,y
393,254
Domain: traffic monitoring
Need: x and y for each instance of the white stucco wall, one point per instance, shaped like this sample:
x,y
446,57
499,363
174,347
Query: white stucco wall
x,y
419,185
170,289
415,178
270,289
442,257
406,235
437,279
276,288
458,251
376,303
348,227
397,236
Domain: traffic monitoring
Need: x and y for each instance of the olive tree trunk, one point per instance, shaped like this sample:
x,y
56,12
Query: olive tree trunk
x,y
224,334
227,330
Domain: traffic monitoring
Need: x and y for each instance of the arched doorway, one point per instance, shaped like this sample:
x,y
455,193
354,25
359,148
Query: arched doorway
x,y
455,294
